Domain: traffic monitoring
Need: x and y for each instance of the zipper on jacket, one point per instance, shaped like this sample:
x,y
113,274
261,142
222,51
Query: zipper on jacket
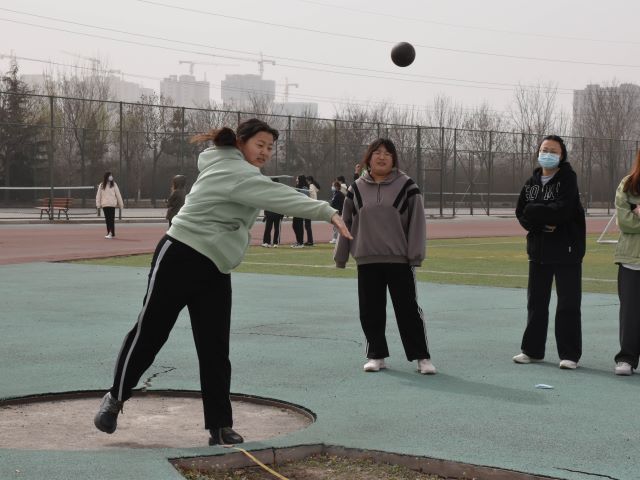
x,y
378,199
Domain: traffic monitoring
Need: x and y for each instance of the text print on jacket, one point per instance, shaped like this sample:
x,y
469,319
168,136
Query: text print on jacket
x,y
386,221
556,204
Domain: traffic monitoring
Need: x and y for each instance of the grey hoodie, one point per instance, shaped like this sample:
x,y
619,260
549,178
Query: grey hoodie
x,y
386,221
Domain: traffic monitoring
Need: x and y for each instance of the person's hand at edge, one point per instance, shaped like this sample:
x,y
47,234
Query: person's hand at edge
x,y
342,228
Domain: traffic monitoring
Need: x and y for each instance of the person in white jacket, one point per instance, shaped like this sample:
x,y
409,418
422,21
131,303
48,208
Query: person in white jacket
x,y
108,198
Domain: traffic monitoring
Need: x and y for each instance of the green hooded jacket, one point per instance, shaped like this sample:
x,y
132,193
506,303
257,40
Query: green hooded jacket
x,y
224,202
628,248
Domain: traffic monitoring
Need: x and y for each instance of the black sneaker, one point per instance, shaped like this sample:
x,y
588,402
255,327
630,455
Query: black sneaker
x,y
106,420
224,436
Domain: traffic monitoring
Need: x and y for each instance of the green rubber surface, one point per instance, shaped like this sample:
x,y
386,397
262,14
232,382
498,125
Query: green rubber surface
x,y
298,339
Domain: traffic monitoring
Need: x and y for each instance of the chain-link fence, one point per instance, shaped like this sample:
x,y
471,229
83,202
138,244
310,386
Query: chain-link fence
x,y
69,142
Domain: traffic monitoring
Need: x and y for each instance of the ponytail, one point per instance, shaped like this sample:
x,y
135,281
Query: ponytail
x,y
225,137
222,137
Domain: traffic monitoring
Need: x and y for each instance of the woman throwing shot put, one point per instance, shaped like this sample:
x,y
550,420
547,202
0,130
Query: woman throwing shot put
x,y
192,263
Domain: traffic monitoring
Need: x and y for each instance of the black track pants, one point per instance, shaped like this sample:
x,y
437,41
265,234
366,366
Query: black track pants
x,y
399,278
568,323
298,229
110,219
181,277
629,295
274,224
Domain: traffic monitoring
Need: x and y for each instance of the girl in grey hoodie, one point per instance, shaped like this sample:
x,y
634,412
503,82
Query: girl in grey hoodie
x,y
385,215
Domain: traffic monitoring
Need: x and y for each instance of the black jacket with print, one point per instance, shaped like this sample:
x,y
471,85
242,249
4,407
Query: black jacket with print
x,y
556,204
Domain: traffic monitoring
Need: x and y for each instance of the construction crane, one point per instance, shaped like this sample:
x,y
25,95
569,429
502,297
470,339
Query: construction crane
x,y
191,64
262,61
286,88
95,62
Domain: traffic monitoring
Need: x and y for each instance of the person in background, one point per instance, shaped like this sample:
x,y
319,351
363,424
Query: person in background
x,y
272,222
357,171
549,209
385,215
627,257
343,184
337,201
191,268
176,198
108,198
314,189
297,223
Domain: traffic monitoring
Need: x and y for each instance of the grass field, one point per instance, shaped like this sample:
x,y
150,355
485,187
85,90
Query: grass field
x,y
496,262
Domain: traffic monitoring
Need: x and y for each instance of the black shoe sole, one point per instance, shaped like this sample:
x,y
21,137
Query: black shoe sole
x,y
101,427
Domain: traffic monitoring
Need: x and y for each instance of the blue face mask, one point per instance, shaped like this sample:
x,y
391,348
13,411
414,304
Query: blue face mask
x,y
549,161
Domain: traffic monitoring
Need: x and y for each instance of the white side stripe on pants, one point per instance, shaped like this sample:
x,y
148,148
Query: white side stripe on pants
x,y
140,317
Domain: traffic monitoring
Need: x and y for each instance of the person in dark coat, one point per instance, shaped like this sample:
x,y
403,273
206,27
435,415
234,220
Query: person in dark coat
x,y
337,201
176,198
549,209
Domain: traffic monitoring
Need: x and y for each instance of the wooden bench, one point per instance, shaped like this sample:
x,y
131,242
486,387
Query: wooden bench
x,y
49,206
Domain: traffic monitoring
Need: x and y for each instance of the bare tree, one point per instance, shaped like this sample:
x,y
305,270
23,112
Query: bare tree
x,y
156,115
85,115
607,115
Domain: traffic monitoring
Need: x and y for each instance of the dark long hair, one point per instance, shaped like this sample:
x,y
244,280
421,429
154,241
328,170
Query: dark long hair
x,y
311,181
105,180
226,137
381,142
563,147
632,185
301,182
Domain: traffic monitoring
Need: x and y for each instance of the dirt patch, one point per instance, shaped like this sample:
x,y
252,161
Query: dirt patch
x,y
319,468
150,421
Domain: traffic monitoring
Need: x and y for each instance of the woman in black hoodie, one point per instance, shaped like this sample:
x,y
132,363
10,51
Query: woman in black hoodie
x,y
549,209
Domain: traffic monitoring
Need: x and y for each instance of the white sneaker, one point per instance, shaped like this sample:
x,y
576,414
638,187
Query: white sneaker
x,y
425,367
275,245
374,365
524,358
623,368
108,236
297,245
333,240
568,364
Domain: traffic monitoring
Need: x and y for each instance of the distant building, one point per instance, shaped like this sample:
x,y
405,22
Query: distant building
x,y
185,90
608,99
243,91
124,91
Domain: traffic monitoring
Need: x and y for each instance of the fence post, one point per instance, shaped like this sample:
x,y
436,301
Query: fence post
x,y
419,169
120,155
182,126
611,179
288,146
335,147
442,165
127,168
471,182
82,162
51,153
490,168
455,160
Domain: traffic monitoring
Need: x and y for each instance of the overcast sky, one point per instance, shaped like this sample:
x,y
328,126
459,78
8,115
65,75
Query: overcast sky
x,y
470,50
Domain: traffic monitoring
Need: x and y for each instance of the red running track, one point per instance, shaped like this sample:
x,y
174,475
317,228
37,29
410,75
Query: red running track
x,y
69,241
